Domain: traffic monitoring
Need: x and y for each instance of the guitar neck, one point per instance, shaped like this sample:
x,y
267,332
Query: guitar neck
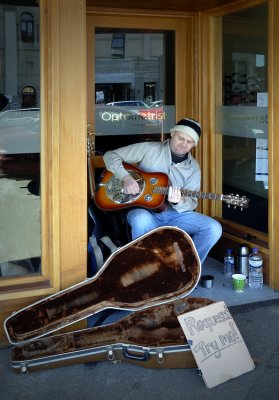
x,y
201,195
191,193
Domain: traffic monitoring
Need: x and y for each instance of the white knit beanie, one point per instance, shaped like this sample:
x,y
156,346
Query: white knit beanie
x,y
189,126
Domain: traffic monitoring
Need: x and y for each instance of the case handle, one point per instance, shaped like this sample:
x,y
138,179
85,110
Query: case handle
x,y
139,357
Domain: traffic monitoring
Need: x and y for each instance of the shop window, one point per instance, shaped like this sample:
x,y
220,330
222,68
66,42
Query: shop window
x,y
20,128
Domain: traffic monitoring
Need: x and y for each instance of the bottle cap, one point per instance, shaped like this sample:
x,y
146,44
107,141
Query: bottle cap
x,y
243,250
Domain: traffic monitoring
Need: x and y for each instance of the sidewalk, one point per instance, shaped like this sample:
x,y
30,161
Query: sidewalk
x,y
222,289
258,323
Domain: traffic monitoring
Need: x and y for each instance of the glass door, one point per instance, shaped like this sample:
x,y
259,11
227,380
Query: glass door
x,y
133,92
243,117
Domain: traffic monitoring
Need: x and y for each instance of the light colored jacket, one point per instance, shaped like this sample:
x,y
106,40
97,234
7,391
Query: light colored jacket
x,y
156,157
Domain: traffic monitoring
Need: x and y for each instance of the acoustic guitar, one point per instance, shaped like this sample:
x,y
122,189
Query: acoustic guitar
x,y
109,195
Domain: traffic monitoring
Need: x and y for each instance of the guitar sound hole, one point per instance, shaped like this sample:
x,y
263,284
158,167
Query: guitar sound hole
x,y
153,181
148,197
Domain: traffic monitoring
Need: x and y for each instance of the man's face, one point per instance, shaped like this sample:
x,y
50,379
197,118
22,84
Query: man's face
x,y
181,143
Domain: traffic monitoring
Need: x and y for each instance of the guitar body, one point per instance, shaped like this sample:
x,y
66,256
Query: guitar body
x,y
109,195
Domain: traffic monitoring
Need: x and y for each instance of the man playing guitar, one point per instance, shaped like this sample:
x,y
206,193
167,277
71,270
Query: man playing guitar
x,y
172,157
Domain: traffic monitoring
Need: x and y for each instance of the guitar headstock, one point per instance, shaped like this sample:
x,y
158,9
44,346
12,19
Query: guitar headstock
x,y
236,200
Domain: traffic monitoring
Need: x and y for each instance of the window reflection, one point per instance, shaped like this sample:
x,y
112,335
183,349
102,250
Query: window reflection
x,y
20,205
243,117
27,27
134,87
29,97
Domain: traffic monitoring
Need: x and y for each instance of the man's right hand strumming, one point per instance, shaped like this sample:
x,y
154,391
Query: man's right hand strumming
x,y
130,186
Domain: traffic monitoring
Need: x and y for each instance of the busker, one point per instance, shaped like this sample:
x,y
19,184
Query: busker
x,y
172,157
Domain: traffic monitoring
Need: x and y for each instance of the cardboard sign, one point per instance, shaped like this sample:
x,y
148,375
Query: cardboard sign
x,y
216,343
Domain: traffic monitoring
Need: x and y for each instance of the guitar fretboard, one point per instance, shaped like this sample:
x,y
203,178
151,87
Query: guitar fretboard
x,y
190,193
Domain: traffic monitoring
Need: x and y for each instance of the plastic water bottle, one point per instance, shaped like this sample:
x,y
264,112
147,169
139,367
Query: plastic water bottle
x,y
255,269
229,263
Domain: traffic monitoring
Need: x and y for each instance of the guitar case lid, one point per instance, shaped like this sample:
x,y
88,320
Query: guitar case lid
x,y
161,266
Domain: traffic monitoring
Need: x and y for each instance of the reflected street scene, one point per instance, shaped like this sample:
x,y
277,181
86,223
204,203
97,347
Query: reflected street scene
x,y
20,140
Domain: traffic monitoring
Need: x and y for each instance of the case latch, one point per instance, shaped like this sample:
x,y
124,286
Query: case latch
x,y
139,354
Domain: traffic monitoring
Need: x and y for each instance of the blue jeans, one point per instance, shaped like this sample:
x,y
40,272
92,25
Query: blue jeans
x,y
204,230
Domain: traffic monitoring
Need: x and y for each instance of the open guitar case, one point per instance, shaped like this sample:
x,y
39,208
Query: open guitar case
x,y
151,277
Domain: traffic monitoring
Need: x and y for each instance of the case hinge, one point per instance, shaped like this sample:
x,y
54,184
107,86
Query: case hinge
x,y
110,353
160,356
24,368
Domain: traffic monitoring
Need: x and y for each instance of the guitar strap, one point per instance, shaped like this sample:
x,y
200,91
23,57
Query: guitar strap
x,y
108,242
99,250
90,165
